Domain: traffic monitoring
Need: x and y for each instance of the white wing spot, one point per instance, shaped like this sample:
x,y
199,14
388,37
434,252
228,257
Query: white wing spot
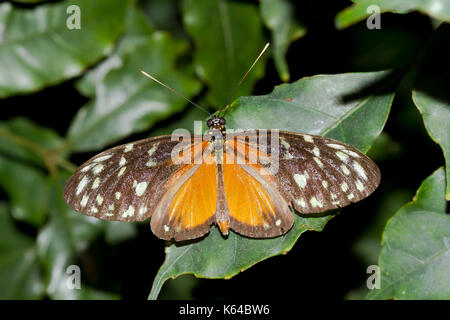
x,y
300,179
345,170
103,158
325,183
333,196
142,210
122,161
351,153
360,170
128,147
140,188
96,183
335,146
344,186
129,212
319,163
94,210
134,183
350,196
359,186
316,151
315,203
118,194
342,156
98,168
88,167
301,202
266,225
150,152
109,214
84,200
308,138
81,185
111,207
336,203
99,200
122,170
166,228
286,144
278,222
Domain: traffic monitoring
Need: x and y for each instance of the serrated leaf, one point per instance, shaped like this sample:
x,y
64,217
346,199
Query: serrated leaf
x,y
431,95
19,268
66,234
37,48
314,105
221,31
415,252
129,102
358,11
278,16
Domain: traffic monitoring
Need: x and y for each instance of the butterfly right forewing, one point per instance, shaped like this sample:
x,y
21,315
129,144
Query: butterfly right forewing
x,y
318,174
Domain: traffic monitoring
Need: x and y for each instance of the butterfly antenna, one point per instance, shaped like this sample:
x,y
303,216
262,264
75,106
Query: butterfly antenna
x,y
245,75
176,92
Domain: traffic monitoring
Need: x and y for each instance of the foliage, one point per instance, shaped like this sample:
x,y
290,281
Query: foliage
x,y
202,49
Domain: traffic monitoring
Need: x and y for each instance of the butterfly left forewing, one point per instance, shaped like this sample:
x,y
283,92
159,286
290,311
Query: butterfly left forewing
x,y
124,183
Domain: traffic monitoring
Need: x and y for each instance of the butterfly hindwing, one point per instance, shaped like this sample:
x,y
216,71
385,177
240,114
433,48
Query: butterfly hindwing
x,y
256,207
124,183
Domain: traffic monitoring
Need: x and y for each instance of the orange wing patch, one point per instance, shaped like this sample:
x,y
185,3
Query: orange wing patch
x,y
255,206
195,201
187,210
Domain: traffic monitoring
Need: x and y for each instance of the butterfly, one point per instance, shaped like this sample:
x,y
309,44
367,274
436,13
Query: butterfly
x,y
247,181
226,181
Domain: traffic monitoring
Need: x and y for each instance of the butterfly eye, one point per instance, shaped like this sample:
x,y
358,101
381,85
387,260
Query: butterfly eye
x,y
209,123
222,121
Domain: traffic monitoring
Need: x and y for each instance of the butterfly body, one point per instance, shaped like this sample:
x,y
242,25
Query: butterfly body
x,y
247,181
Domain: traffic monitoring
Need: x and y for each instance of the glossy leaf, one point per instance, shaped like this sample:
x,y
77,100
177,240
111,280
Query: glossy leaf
x,y
66,235
37,48
415,252
127,101
137,31
431,95
19,267
221,31
20,139
278,16
314,105
27,189
439,9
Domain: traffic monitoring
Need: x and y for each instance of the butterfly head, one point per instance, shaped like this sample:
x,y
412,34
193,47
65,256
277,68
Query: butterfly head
x,y
216,123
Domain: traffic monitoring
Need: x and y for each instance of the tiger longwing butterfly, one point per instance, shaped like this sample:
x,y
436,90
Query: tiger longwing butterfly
x,y
246,181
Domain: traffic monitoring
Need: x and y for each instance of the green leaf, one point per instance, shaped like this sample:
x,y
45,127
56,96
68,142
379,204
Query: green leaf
x,y
278,16
137,31
358,11
415,252
221,31
66,235
127,101
37,48
19,268
22,139
27,189
431,95
315,105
